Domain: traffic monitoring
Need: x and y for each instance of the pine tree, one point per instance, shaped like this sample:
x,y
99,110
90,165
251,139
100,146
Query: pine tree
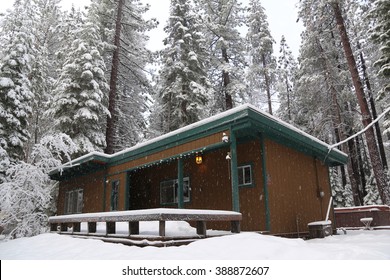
x,y
46,31
383,185
222,20
287,67
78,105
15,87
123,31
381,35
184,86
262,67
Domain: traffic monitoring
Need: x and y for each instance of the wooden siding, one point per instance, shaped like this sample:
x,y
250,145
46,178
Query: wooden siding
x,y
294,183
93,188
170,152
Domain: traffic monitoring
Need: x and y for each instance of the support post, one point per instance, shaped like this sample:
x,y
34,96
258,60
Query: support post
x,y
161,228
265,184
180,182
201,228
234,172
133,227
91,227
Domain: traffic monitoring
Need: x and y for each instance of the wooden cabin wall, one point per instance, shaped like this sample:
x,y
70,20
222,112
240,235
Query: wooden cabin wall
x,y
93,188
252,199
294,183
210,184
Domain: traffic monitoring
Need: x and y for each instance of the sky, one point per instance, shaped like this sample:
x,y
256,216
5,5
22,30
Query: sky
x,y
282,17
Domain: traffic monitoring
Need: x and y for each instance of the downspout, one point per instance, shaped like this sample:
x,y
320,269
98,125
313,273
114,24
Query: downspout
x,y
234,172
265,183
180,183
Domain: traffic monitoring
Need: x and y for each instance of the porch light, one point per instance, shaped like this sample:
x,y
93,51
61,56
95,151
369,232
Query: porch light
x,y
198,159
225,138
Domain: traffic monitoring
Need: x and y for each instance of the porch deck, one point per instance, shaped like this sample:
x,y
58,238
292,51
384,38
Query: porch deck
x,y
71,224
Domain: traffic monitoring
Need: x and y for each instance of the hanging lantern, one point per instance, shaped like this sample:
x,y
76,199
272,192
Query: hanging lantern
x,y
198,159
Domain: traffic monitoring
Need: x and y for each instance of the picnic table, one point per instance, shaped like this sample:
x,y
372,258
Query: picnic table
x,y
134,217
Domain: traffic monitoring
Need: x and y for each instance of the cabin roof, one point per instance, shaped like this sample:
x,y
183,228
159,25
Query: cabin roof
x,y
245,121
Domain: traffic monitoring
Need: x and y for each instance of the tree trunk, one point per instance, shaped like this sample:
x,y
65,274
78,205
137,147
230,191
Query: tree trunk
x,y
267,84
226,82
373,109
110,130
366,117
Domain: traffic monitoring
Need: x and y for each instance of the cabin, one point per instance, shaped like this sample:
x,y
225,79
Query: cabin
x,y
241,160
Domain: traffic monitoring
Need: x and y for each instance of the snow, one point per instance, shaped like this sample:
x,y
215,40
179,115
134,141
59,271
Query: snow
x,y
355,245
320,223
198,124
156,211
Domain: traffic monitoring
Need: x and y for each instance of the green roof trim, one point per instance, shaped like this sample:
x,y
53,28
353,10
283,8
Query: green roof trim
x,y
245,121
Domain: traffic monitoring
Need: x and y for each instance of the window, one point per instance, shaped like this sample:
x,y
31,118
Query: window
x,y
245,175
169,191
74,201
114,195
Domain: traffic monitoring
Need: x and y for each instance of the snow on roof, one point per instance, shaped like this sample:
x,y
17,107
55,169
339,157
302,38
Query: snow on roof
x,y
241,108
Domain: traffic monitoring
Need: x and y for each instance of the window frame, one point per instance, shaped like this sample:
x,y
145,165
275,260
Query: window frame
x,y
114,201
241,169
174,183
73,204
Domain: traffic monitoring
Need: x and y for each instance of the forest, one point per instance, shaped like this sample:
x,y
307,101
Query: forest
x,y
73,82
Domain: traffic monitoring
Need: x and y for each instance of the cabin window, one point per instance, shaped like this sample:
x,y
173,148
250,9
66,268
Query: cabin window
x,y
245,175
74,201
114,195
169,191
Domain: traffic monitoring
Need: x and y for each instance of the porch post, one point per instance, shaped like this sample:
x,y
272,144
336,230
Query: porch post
x,y
234,172
180,183
265,184
127,191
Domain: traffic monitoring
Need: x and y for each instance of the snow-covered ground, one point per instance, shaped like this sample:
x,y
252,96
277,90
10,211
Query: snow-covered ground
x,y
228,257
355,245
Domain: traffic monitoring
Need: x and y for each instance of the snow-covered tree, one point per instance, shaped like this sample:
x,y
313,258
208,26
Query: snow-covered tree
x,y
184,87
123,30
262,66
287,67
381,35
27,196
78,105
15,66
222,20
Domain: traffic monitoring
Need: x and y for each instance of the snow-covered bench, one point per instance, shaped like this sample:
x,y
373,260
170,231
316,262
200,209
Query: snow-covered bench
x,y
133,217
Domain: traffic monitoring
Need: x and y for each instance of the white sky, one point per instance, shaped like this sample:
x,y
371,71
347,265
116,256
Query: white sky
x,y
282,16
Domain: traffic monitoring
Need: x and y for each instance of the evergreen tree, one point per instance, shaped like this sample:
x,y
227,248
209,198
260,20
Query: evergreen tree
x,y
46,31
15,87
184,86
123,31
262,67
381,35
78,105
221,20
377,166
287,67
